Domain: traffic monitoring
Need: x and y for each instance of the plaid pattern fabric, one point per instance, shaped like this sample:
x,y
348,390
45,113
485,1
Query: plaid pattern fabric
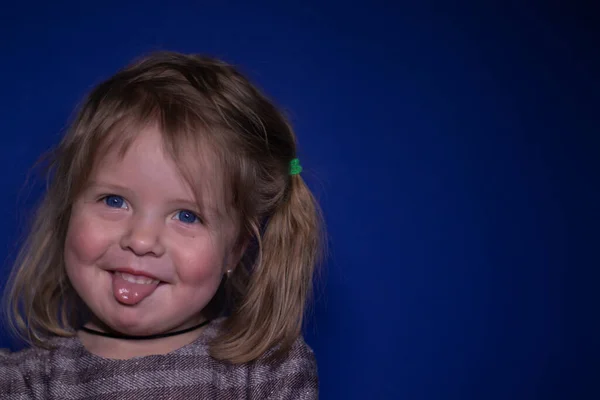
x,y
70,372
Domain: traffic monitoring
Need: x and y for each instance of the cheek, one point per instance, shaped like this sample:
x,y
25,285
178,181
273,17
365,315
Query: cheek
x,y
200,262
85,241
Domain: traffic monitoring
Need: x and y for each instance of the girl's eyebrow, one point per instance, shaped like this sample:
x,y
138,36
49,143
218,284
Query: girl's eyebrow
x,y
94,183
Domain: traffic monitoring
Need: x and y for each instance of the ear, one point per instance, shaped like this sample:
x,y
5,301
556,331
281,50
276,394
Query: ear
x,y
235,255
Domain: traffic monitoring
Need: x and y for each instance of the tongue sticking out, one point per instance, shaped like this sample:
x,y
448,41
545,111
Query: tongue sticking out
x,y
130,292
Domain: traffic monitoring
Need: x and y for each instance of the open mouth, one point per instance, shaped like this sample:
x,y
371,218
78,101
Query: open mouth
x,y
138,279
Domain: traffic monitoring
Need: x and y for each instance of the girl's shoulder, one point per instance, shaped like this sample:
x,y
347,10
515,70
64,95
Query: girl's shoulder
x,y
289,375
294,370
24,373
300,353
25,356
282,375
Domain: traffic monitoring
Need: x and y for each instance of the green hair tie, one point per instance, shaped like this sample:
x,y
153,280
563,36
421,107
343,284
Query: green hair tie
x,y
295,167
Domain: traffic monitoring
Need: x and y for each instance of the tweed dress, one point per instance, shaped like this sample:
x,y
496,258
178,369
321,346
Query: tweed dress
x,y
69,371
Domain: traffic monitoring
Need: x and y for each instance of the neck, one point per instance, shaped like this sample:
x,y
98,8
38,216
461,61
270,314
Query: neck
x,y
118,335
104,342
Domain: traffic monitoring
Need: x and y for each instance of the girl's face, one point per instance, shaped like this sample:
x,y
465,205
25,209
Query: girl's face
x,y
138,251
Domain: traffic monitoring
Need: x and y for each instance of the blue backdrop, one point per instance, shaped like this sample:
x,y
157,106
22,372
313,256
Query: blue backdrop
x,y
454,151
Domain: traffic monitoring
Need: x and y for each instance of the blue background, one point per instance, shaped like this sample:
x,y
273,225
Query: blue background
x,y
454,151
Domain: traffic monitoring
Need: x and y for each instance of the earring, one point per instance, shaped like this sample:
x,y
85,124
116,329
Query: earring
x,y
228,273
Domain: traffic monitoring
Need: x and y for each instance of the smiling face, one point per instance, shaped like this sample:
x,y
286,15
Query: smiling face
x,y
139,251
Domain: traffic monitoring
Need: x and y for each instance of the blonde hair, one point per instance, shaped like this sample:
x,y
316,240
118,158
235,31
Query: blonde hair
x,y
198,103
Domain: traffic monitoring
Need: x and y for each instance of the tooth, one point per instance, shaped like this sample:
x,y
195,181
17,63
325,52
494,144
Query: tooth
x,y
137,279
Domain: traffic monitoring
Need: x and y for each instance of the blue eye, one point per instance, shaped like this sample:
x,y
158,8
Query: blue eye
x,y
114,201
187,216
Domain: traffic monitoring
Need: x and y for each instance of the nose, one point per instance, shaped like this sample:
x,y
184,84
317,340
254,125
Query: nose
x,y
143,237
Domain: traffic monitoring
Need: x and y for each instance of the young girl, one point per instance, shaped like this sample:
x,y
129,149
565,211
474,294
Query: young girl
x,y
173,253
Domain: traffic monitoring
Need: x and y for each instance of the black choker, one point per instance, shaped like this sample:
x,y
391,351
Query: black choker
x,y
158,336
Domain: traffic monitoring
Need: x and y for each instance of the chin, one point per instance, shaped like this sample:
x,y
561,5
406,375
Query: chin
x,y
129,322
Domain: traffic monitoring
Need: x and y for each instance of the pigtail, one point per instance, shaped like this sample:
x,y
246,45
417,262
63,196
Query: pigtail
x,y
272,310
